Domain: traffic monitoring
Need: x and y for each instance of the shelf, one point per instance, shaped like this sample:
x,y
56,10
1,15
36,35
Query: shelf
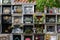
x,y
16,14
24,4
28,24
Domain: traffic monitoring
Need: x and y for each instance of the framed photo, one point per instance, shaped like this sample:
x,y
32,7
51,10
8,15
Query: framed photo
x,y
28,9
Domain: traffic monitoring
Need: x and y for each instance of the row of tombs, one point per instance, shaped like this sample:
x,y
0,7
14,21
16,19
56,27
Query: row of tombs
x,y
29,37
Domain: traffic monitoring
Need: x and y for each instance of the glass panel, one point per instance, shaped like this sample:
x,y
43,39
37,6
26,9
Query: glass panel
x,y
6,9
50,19
17,9
7,20
39,28
50,29
17,19
28,29
28,19
17,29
6,28
28,9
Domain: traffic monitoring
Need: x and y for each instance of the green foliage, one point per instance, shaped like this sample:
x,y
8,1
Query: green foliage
x,y
30,0
51,3
48,3
58,3
40,4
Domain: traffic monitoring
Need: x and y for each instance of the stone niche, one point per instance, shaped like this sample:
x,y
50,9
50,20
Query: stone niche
x,y
4,37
